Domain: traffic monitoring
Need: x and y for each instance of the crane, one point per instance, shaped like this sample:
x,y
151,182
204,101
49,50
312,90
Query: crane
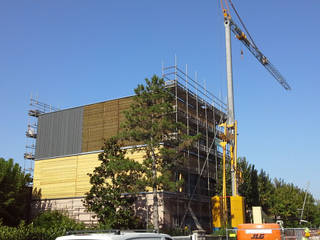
x,y
230,127
248,42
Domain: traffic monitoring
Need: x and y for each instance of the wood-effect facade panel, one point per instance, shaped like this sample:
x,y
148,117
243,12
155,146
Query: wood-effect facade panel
x,y
64,177
67,177
102,121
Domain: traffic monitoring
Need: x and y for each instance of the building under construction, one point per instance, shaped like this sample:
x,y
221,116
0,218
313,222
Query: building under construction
x,y
68,143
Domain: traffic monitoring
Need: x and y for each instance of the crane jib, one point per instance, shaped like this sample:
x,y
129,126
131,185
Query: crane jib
x,y
259,56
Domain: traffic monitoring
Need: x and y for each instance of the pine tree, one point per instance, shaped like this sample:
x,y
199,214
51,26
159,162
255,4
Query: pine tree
x,y
150,121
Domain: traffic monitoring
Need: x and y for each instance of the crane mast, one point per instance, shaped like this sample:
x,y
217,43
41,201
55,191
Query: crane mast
x,y
231,117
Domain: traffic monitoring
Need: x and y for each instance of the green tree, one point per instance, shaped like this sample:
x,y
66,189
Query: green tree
x,y
14,193
278,199
266,190
286,201
150,121
248,187
316,215
310,211
115,176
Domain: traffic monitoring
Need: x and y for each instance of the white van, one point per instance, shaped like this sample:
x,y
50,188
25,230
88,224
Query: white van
x,y
116,235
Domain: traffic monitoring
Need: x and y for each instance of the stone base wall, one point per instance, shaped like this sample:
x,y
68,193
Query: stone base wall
x,y
72,206
172,209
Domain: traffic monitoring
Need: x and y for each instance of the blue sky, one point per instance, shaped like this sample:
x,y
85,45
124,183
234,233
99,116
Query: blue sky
x,y
72,53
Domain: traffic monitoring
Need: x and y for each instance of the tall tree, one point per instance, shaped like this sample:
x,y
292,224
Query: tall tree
x,y
311,211
14,192
279,200
266,190
150,121
287,199
316,215
115,176
249,187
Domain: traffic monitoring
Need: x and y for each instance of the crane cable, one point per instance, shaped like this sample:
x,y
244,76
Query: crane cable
x,y
227,11
242,23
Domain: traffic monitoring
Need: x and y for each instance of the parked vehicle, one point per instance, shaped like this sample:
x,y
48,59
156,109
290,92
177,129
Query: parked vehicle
x,y
115,235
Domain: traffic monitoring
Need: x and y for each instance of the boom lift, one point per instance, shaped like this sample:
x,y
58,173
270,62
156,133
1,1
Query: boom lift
x,y
229,135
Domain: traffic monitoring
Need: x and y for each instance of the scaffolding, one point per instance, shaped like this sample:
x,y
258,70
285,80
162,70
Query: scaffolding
x,y
38,108
201,112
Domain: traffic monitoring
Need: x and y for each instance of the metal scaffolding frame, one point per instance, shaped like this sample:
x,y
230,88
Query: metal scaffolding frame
x,y
38,108
201,112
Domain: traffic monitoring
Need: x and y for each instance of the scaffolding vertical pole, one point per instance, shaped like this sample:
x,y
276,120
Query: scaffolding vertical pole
x,y
197,113
230,91
224,187
187,112
214,139
187,102
176,108
176,85
207,137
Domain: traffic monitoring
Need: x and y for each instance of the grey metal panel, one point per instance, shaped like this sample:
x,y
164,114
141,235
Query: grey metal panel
x,y
59,133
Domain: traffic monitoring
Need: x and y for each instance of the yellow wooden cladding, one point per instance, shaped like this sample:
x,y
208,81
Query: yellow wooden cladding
x,y
102,121
68,176
64,177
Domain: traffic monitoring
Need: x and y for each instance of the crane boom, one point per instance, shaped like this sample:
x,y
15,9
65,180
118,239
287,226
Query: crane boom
x,y
258,54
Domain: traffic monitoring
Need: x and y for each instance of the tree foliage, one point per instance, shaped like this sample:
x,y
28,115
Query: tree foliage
x,y
266,191
14,193
287,202
150,120
56,219
47,226
278,199
115,176
249,187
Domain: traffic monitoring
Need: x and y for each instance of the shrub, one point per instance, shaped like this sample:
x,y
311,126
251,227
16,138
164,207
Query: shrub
x,y
47,226
53,219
